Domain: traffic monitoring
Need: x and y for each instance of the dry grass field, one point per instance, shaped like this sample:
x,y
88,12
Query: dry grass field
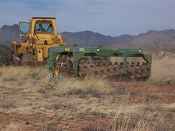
x,y
163,69
29,102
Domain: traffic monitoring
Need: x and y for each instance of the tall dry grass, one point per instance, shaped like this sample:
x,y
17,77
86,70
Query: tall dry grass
x,y
25,73
147,121
163,70
34,82
38,77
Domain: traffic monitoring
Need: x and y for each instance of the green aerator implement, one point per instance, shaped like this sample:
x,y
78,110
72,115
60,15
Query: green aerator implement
x,y
106,63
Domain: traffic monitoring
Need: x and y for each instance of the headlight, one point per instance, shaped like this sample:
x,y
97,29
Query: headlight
x,y
98,50
140,51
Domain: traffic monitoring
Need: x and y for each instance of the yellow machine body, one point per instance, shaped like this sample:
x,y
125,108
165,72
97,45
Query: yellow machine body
x,y
36,37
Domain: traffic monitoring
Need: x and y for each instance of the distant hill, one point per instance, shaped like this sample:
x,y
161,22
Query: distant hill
x,y
86,38
89,38
155,40
8,33
152,40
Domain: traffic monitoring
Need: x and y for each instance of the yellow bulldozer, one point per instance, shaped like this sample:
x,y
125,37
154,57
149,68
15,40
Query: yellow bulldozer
x,y
40,43
36,37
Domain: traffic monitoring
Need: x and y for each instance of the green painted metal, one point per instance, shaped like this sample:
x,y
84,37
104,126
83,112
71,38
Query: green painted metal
x,y
79,53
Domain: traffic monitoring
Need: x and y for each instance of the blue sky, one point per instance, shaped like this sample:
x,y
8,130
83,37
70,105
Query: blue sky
x,y
111,17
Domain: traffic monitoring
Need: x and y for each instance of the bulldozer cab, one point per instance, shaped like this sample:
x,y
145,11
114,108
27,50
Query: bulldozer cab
x,y
42,29
38,25
43,25
24,27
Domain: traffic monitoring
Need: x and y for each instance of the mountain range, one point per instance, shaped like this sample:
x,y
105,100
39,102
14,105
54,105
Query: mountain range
x,y
151,40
